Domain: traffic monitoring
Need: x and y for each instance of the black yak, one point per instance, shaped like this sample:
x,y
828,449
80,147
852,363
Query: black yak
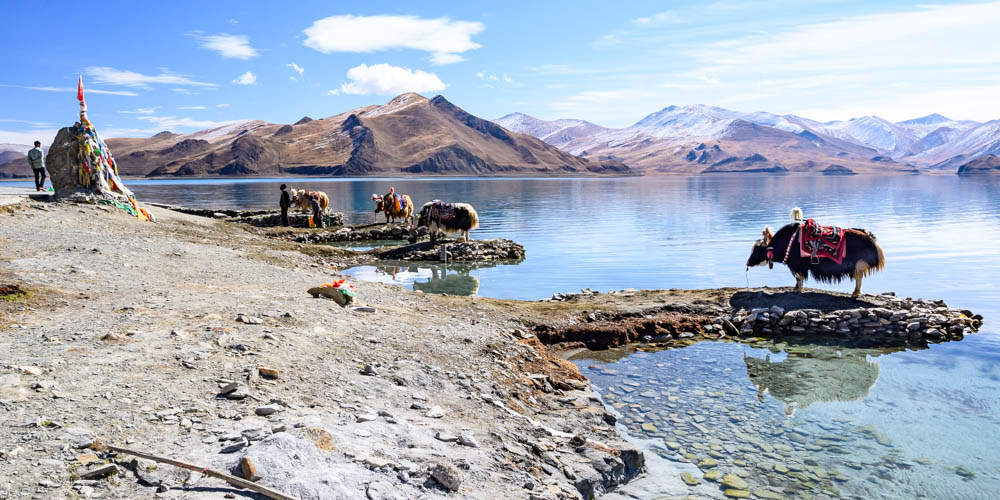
x,y
863,255
448,218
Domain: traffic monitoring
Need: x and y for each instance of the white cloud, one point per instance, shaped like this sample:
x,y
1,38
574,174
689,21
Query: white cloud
x,y
139,111
492,77
852,65
28,122
192,107
126,78
443,38
296,68
72,89
223,105
174,123
333,92
658,19
15,137
226,45
386,79
247,78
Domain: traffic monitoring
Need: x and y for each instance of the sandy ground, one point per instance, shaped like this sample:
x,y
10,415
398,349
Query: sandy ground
x,y
130,331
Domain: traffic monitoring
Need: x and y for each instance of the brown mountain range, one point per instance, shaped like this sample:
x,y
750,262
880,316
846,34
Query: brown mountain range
x,y
408,135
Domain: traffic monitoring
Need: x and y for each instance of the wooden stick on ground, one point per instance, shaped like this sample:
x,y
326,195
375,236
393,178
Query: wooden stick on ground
x,y
236,481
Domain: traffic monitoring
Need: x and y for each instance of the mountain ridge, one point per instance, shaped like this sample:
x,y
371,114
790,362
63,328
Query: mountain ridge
x,y
409,135
869,143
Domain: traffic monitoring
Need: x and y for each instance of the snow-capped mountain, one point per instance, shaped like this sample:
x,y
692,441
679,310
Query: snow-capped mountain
x,y
926,141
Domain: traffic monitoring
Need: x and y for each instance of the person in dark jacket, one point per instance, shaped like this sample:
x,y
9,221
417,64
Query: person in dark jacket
x,y
286,201
317,212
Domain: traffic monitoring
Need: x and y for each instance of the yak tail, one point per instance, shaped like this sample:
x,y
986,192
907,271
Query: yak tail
x,y
797,214
474,218
880,264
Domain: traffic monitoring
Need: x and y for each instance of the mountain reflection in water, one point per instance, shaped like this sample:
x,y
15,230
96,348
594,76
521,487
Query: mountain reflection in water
x,y
427,277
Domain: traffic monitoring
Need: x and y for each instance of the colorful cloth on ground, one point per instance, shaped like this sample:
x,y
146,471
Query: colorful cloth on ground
x,y
822,242
441,211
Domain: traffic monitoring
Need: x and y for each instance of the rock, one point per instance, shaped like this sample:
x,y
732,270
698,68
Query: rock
x,y
264,411
229,388
233,448
249,470
466,439
689,479
713,475
673,445
374,462
366,417
381,490
435,412
250,320
735,493
707,463
369,370
736,482
268,373
31,370
102,471
447,475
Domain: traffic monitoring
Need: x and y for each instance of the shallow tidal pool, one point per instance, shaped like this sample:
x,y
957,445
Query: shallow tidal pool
x,y
802,419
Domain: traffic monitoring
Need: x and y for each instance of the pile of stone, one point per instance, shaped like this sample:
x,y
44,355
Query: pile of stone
x,y
932,321
474,250
257,218
369,232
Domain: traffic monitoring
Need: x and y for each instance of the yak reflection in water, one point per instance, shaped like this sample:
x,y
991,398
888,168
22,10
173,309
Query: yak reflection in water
x,y
815,373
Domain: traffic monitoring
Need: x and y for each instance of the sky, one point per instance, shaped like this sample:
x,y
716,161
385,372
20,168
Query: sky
x,y
187,66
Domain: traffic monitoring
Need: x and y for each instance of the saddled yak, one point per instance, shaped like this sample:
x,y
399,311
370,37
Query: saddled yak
x,y
387,204
300,198
863,255
447,218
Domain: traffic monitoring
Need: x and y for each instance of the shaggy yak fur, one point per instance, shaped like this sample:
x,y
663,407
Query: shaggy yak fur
x,y
300,197
864,256
466,219
385,204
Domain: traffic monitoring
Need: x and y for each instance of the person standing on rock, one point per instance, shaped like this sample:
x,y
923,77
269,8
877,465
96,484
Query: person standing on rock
x,y
317,212
286,201
36,158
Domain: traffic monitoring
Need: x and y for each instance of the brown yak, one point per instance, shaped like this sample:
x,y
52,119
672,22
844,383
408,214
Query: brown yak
x,y
387,204
863,255
300,198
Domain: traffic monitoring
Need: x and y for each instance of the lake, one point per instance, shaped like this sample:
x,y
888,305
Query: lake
x,y
862,423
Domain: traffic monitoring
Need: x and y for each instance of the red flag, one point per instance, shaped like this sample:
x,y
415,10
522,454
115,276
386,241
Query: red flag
x,y
79,89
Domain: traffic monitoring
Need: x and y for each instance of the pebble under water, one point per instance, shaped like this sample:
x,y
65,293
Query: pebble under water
x,y
807,419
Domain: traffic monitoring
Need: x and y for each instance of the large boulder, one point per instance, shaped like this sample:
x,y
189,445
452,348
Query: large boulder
x,y
61,164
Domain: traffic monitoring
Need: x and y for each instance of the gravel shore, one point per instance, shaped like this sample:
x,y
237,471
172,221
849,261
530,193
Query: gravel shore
x,y
195,339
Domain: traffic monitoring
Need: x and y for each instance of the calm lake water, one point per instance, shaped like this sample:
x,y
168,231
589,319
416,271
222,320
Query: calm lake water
x,y
833,420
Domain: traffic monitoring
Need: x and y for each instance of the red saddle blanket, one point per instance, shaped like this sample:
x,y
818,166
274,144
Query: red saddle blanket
x,y
441,211
822,242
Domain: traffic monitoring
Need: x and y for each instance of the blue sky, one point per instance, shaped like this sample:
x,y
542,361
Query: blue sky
x,y
185,66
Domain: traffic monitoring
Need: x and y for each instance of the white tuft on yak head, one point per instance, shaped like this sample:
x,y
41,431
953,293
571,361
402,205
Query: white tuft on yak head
x,y
797,216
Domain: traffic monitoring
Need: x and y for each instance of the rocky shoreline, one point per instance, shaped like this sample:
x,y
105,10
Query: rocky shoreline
x,y
195,339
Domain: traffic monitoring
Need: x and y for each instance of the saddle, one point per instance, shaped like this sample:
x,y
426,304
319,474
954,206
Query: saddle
x,y
441,211
821,242
399,201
